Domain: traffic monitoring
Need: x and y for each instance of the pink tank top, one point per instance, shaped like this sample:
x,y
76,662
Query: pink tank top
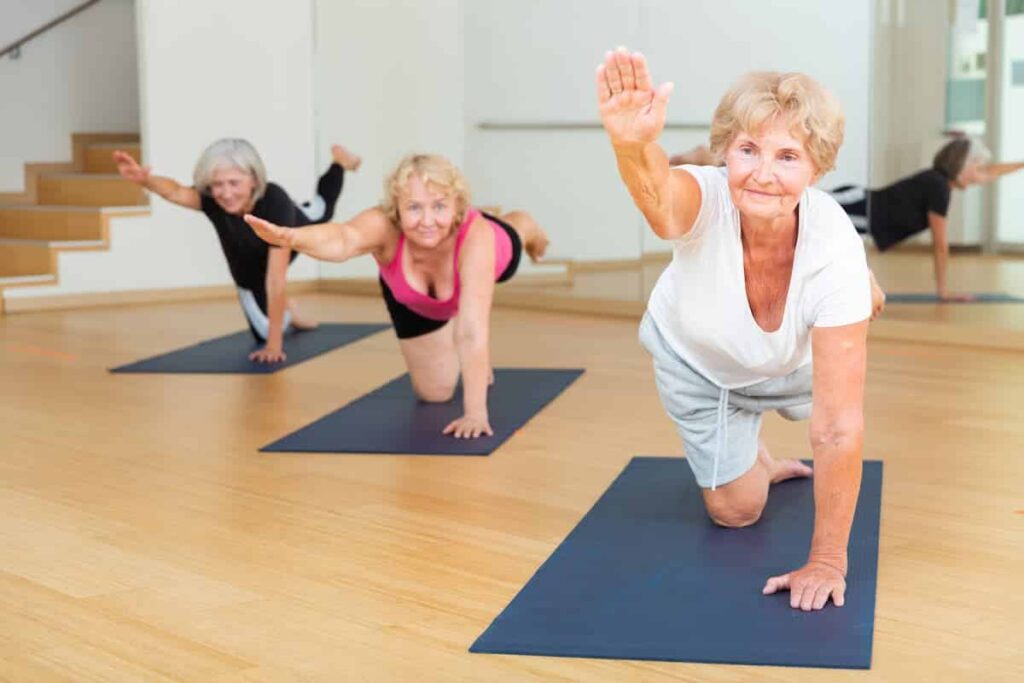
x,y
426,305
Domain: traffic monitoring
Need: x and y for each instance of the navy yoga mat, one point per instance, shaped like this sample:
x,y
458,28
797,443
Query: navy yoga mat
x,y
230,354
927,298
392,420
646,575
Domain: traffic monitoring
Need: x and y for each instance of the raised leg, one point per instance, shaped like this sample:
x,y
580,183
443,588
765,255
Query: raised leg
x,y
535,240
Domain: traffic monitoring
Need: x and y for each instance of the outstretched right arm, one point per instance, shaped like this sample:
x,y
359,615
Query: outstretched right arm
x,y
633,114
365,234
169,189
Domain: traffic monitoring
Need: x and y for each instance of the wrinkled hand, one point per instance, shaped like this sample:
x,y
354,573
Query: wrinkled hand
x,y
632,110
269,232
469,427
810,586
130,169
268,354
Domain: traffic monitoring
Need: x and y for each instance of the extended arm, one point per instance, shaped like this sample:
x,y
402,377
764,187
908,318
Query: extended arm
x,y
366,233
167,188
837,440
276,280
990,172
472,329
633,114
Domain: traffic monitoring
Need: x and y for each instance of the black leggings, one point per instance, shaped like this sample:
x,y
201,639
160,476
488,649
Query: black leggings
x,y
854,200
318,210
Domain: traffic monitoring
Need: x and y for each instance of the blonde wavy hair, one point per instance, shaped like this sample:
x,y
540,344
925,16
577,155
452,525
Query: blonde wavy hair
x,y
813,113
435,171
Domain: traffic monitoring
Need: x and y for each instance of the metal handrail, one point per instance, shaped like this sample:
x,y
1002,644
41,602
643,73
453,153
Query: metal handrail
x,y
15,48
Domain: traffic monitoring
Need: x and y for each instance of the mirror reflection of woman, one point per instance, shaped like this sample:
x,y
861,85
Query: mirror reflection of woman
x,y
920,202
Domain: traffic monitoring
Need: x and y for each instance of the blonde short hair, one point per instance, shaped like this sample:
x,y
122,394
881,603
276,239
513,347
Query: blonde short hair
x,y
231,153
758,97
432,169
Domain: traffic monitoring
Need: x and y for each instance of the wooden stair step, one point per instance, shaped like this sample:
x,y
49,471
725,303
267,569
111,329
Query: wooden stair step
x,y
99,156
20,258
88,189
25,281
52,222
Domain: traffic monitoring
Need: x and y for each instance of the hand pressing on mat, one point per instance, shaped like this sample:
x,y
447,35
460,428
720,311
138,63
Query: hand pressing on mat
x,y
954,297
269,354
810,586
469,427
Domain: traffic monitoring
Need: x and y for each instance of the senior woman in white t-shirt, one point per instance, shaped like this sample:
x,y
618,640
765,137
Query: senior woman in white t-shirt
x,y
767,273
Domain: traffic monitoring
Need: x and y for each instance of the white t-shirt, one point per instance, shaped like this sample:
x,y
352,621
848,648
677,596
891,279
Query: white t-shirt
x,y
700,305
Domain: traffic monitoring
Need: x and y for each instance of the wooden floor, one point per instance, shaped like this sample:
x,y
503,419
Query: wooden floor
x,y
143,537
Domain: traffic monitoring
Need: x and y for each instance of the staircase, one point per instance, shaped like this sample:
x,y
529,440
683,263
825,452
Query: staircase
x,y
65,207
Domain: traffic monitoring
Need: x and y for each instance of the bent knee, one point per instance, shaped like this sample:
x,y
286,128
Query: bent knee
x,y
435,393
735,515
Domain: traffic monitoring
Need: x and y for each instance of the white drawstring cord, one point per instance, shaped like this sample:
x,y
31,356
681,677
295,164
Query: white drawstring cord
x,y
721,433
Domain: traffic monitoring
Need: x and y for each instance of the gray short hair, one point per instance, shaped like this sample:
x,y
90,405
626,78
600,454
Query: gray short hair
x,y
233,153
957,153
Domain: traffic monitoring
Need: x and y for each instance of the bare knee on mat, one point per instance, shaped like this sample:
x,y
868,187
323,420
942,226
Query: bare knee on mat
x,y
434,393
735,515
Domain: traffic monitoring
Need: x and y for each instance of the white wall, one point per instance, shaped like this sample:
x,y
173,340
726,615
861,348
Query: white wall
x,y
21,17
387,77
207,70
389,81
78,77
532,62
1010,209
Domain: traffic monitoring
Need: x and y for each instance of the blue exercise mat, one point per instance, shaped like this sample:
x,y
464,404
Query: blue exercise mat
x,y
646,575
928,298
230,354
392,420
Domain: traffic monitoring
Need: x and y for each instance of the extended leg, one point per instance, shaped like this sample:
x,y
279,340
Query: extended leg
x,y
535,240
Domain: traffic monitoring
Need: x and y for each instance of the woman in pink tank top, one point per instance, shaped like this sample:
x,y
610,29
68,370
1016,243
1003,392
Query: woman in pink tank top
x,y
439,259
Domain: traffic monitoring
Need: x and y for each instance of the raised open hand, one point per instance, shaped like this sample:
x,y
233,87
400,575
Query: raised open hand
x,y
130,169
270,233
632,110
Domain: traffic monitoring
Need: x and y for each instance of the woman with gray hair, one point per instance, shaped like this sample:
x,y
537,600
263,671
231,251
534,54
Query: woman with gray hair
x,y
230,181
920,202
765,304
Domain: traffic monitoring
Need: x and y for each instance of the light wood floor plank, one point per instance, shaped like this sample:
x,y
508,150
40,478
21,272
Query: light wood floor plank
x,y
145,538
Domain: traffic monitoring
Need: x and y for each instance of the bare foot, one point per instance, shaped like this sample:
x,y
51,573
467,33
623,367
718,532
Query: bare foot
x,y
304,323
346,159
299,321
781,470
537,247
